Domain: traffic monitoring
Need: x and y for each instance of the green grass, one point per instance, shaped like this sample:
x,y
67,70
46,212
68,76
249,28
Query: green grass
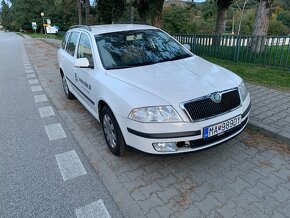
x,y
49,36
278,56
264,75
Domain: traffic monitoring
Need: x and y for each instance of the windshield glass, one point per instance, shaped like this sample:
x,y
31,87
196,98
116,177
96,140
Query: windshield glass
x,y
137,48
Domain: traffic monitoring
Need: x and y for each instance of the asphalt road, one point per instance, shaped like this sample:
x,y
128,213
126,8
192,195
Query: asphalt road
x,y
43,172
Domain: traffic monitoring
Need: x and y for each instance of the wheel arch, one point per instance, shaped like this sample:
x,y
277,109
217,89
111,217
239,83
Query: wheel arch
x,y
61,72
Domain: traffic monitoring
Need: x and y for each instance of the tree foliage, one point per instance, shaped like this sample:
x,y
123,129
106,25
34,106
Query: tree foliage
x,y
284,17
151,9
6,15
179,20
211,16
110,11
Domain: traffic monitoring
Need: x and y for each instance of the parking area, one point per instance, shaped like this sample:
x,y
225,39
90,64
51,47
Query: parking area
x,y
247,176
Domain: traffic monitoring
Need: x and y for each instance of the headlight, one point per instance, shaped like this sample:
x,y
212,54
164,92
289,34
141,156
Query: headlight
x,y
155,114
243,91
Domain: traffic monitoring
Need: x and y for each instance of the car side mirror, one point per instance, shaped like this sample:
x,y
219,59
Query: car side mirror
x,y
187,46
82,63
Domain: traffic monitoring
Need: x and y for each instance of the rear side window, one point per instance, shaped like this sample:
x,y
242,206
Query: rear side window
x,y
85,49
72,43
64,41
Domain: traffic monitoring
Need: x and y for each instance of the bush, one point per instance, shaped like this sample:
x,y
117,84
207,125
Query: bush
x,y
178,20
277,28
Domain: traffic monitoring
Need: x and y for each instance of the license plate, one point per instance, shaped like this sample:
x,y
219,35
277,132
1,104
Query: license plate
x,y
222,127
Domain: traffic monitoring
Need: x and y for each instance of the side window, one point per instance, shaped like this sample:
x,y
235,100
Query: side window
x,y
72,43
64,41
85,49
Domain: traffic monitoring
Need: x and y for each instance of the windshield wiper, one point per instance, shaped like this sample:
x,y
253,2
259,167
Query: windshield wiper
x,y
177,58
131,65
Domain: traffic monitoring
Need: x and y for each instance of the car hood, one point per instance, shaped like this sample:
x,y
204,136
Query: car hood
x,y
180,80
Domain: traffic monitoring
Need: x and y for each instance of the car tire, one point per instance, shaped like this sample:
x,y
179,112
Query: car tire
x,y
67,92
112,132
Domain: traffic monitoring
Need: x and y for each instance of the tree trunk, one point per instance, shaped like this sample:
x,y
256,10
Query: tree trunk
x,y
156,21
220,26
131,13
242,15
220,22
79,7
88,12
263,14
142,9
156,12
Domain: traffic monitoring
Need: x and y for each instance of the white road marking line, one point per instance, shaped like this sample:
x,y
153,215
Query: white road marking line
x,y
96,209
32,81
40,98
28,71
46,111
27,67
55,131
36,88
70,165
31,75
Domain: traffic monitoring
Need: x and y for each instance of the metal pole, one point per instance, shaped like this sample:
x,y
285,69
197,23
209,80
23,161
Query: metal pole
x,y
43,25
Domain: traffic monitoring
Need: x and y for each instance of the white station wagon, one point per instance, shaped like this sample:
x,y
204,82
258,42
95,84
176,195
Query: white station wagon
x,y
149,91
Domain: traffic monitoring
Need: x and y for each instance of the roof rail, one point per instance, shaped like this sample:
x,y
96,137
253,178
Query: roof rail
x,y
86,27
135,22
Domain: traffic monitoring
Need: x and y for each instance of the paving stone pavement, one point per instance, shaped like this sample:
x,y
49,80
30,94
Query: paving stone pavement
x,y
248,176
271,111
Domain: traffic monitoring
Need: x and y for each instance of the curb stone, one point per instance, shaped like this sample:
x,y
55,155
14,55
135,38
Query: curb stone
x,y
269,131
109,178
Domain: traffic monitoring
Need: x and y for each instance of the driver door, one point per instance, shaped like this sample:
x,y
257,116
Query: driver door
x,y
85,77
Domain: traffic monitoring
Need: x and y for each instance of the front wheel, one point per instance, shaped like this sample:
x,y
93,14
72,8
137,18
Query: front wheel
x,y
112,132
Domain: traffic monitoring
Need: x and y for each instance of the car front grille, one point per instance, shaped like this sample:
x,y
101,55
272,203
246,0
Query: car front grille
x,y
205,108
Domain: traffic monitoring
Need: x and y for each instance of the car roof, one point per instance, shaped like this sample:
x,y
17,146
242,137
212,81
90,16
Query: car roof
x,y
109,28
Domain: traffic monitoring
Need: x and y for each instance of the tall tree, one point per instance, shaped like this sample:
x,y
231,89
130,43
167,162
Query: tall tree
x,y
79,7
261,27
152,8
130,3
242,11
110,11
5,15
222,7
155,7
88,12
26,11
63,13
263,15
143,9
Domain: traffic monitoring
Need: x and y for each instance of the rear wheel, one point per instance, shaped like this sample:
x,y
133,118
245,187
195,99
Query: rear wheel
x,y
112,132
67,92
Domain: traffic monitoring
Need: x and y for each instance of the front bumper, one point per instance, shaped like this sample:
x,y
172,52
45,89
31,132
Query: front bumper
x,y
187,135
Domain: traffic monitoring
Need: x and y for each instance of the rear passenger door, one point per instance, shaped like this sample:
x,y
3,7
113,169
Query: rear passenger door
x,y
69,58
62,51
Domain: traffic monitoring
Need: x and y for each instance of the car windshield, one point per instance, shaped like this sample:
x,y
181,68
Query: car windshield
x,y
138,48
